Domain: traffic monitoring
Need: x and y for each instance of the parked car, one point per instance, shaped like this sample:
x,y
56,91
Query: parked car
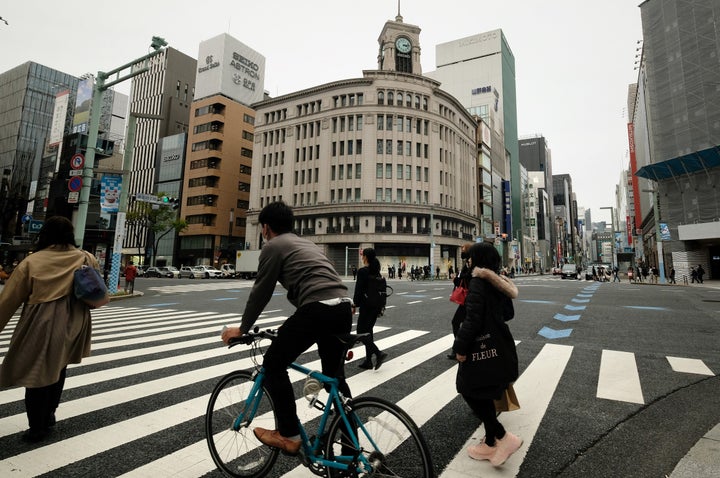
x,y
141,270
153,272
170,272
186,272
206,272
556,271
569,271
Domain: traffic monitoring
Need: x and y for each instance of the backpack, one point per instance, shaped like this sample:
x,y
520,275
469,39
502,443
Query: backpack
x,y
377,293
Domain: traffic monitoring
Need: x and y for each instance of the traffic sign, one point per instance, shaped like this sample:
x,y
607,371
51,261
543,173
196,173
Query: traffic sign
x,y
26,218
35,226
75,172
73,197
77,161
75,183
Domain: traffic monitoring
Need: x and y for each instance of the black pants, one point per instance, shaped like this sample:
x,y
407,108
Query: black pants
x,y
314,323
41,403
366,321
484,409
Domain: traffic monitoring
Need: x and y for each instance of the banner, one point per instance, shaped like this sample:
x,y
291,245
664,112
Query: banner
x,y
110,193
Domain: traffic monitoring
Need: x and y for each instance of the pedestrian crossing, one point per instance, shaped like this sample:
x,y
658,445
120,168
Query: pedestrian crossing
x,y
152,371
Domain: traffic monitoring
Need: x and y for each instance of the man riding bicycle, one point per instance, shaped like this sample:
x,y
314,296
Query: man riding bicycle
x,y
324,311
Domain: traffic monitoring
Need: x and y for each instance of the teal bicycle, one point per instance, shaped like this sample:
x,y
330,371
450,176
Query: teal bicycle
x,y
358,437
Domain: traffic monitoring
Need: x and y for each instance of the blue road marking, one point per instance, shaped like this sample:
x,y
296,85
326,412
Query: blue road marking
x,y
575,307
226,298
580,301
549,333
566,318
537,301
163,305
585,295
644,307
415,296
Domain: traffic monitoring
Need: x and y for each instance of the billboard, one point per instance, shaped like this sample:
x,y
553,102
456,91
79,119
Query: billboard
x,y
229,67
57,129
82,105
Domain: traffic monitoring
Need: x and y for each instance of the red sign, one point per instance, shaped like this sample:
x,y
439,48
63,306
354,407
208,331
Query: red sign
x,y
75,184
77,161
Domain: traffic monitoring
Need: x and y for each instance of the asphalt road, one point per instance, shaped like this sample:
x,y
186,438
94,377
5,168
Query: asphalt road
x,y
616,380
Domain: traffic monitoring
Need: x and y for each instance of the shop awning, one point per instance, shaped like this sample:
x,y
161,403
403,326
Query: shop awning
x,y
682,165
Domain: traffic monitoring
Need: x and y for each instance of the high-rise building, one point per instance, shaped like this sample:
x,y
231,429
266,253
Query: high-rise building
x,y
479,71
387,160
676,128
216,191
166,90
27,102
535,155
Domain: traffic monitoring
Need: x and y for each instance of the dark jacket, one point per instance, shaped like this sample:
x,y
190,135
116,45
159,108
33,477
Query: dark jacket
x,y
483,302
361,287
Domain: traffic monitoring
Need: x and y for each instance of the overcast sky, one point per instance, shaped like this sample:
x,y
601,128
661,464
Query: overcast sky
x,y
574,59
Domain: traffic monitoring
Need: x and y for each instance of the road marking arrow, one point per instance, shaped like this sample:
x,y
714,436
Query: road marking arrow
x,y
549,333
566,318
575,307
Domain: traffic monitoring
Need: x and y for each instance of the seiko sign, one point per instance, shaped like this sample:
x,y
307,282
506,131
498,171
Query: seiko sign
x,y
209,64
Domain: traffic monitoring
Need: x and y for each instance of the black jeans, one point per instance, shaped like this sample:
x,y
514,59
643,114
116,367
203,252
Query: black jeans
x,y
314,323
41,403
366,321
484,409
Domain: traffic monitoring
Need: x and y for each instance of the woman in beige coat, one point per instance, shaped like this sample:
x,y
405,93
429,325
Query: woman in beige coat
x,y
54,327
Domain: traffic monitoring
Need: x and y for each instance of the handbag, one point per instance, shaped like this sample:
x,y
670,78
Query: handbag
x,y
508,402
458,295
492,360
89,286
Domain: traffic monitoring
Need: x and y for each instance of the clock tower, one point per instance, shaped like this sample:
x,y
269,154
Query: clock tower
x,y
399,47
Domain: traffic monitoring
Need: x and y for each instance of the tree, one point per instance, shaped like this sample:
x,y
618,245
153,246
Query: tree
x,y
153,221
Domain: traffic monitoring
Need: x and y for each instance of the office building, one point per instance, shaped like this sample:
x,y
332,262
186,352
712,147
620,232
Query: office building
x,y
676,135
387,160
216,186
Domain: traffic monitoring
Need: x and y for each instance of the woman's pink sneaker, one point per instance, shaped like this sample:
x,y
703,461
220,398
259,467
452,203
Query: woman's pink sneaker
x,y
482,451
507,446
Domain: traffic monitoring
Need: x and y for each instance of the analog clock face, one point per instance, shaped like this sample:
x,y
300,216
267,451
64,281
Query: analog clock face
x,y
403,45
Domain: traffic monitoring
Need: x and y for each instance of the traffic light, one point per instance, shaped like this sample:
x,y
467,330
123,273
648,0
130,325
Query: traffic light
x,y
171,201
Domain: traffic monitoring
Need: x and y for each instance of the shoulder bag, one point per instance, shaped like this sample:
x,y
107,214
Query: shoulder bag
x,y
459,294
89,286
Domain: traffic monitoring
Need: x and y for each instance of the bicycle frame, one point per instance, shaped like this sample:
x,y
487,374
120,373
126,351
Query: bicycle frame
x,y
312,448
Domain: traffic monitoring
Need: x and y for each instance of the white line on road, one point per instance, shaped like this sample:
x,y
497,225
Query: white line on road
x,y
619,378
534,389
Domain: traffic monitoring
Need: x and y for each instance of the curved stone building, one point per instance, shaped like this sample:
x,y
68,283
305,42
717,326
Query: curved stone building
x,y
387,161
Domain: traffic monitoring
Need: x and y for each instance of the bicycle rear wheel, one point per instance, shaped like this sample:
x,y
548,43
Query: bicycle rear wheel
x,y
237,452
389,439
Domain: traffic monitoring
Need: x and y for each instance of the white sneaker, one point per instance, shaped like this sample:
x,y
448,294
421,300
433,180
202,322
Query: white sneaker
x,y
507,446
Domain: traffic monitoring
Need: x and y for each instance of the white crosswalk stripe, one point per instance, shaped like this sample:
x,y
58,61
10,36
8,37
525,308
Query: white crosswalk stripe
x,y
140,354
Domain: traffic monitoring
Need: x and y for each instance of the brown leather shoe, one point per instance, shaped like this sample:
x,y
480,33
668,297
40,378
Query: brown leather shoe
x,y
274,439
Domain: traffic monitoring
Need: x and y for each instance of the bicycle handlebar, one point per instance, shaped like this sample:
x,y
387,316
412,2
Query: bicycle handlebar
x,y
256,334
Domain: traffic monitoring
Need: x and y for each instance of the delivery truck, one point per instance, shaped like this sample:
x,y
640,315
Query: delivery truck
x,y
246,264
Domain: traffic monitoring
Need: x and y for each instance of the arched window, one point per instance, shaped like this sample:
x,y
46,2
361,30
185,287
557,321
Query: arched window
x,y
417,101
391,98
399,98
425,104
381,98
408,100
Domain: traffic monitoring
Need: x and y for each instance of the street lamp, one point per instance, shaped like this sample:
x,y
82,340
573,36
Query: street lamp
x,y
99,87
612,232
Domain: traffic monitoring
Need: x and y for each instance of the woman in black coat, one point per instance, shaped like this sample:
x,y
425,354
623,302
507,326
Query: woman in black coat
x,y
486,302
368,315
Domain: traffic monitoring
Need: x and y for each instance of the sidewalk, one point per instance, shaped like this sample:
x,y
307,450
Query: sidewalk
x,y
703,459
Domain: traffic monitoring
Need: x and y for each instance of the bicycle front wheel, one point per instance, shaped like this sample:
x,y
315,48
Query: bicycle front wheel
x,y
237,452
390,441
